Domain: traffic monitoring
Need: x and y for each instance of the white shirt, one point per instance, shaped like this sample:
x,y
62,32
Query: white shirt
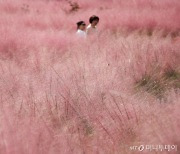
x,y
90,29
81,33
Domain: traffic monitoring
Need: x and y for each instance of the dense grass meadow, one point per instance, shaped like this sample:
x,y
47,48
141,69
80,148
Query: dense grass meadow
x,y
102,95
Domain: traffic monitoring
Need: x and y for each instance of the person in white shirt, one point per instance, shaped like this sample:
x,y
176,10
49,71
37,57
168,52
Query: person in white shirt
x,y
81,29
91,29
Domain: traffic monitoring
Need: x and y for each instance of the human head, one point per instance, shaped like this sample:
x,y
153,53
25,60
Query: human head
x,y
81,25
94,20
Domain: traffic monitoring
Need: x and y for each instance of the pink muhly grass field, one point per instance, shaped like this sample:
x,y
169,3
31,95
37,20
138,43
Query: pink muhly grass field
x,y
102,95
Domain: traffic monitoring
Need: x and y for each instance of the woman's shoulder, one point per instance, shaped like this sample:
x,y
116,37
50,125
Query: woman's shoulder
x,y
79,31
89,26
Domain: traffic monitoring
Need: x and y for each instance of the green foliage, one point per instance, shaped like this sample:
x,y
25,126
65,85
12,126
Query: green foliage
x,y
74,6
88,129
159,84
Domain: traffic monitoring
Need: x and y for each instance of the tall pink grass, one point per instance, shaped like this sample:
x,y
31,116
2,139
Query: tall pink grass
x,y
60,95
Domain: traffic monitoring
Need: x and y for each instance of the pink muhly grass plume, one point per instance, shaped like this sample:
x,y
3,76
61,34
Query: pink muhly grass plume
x,y
105,94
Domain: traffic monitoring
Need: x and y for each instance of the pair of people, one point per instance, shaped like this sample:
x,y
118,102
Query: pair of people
x,y
82,31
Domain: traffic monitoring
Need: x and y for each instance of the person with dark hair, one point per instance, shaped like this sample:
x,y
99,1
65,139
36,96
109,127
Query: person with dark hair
x,y
81,29
93,20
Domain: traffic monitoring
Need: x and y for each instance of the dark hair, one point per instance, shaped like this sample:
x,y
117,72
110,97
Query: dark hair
x,y
80,23
92,18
